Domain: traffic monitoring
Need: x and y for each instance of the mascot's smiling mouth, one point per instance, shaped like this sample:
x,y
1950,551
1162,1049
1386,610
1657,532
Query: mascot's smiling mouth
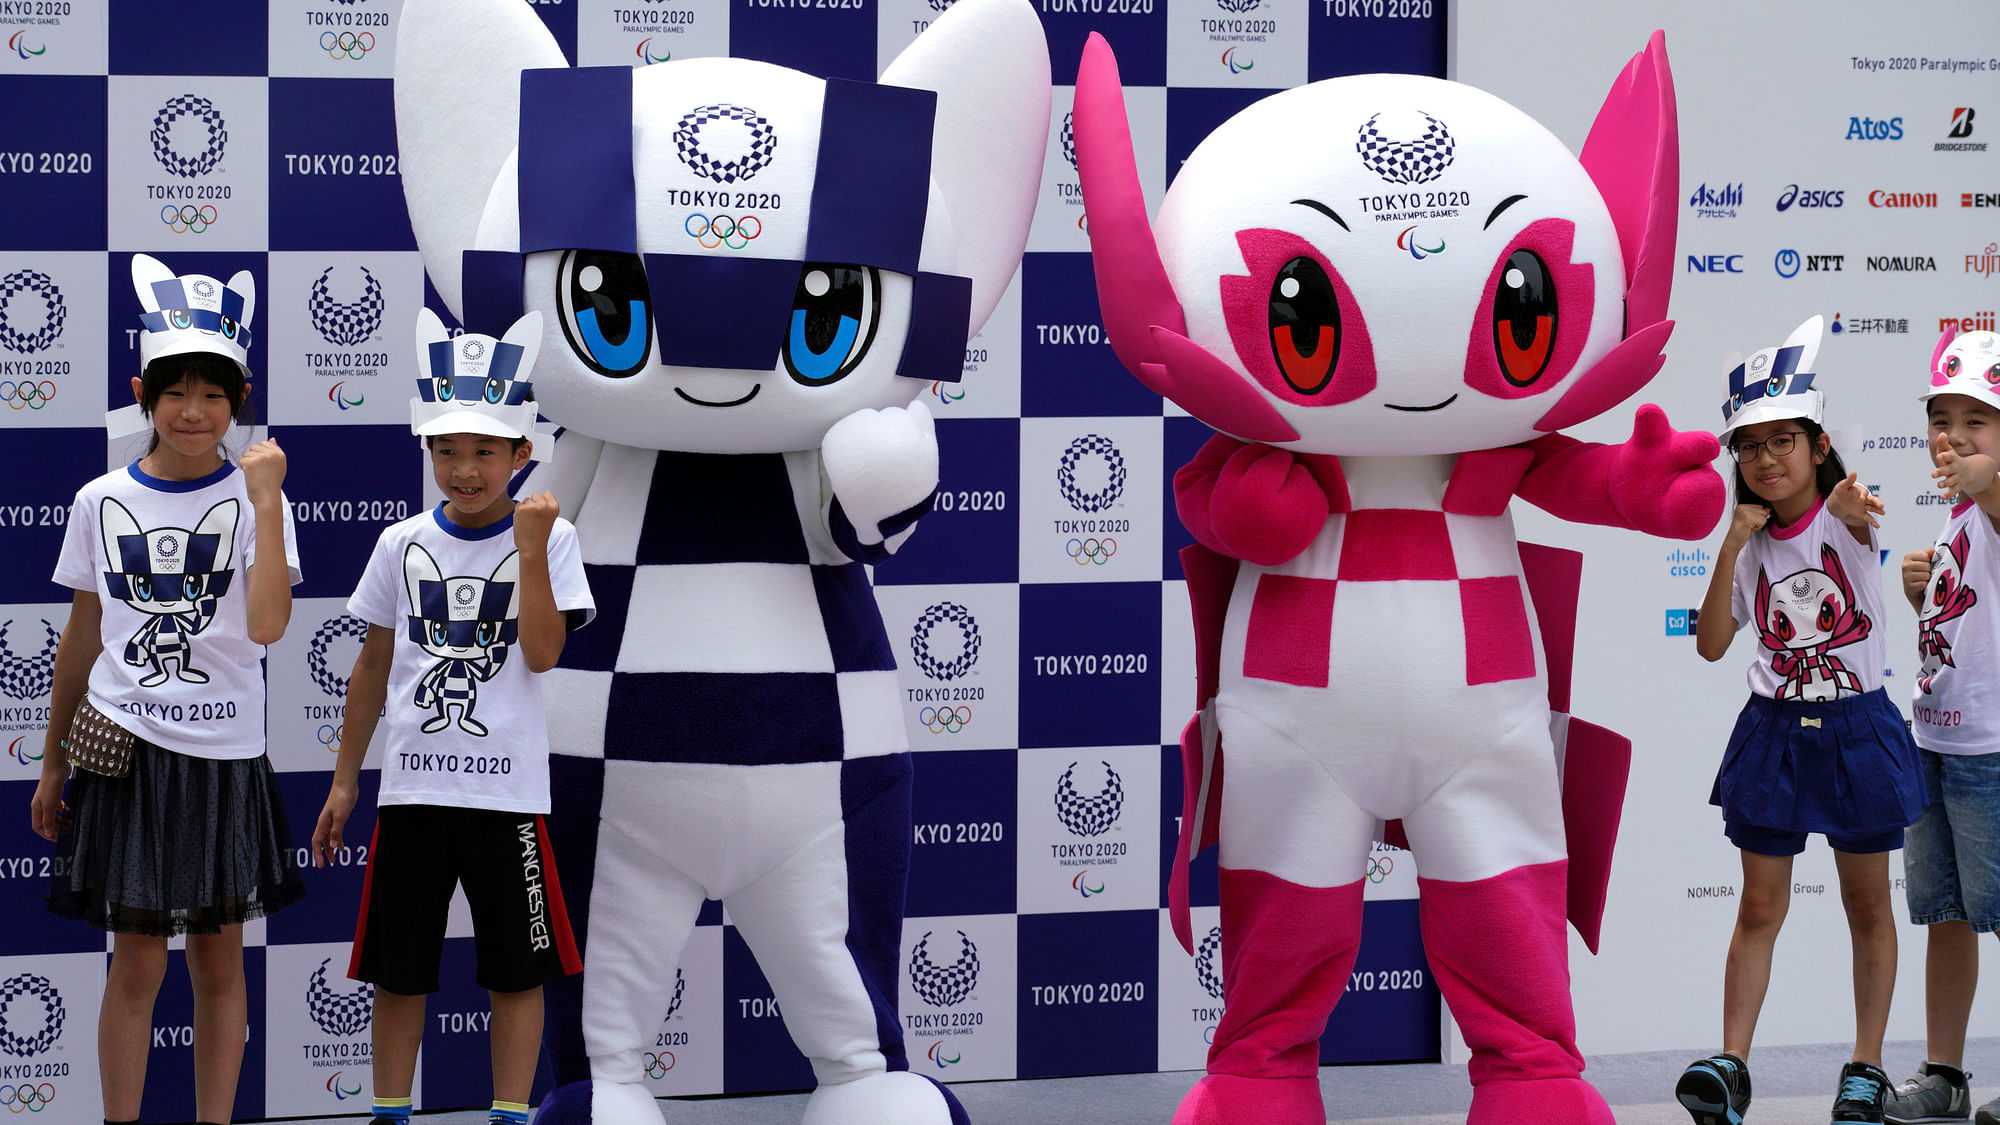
x,y
754,388
1393,406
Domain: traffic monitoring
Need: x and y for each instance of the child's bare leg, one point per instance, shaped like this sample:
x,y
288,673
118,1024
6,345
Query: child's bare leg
x,y
396,1031
517,1042
1871,926
125,1021
221,1008
1951,973
1767,895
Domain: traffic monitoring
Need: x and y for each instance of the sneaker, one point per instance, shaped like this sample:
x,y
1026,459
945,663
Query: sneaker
x,y
1715,1090
1989,1114
1928,1096
1862,1088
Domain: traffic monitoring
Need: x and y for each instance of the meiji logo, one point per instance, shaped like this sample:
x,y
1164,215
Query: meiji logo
x,y
329,681
31,1015
1869,129
745,141
338,1013
1205,969
25,327
1717,203
1093,815
172,156
942,986
1682,622
1969,322
1420,158
1817,197
1091,445
348,323
28,677
927,661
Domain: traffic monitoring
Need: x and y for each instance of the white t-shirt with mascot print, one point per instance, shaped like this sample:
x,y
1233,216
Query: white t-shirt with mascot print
x,y
463,724
1958,639
1812,598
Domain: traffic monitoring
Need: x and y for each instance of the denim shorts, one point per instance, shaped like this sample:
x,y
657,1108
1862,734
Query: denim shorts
x,y
1951,858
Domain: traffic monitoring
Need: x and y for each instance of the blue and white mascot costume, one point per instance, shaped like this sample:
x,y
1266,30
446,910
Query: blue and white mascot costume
x,y
748,274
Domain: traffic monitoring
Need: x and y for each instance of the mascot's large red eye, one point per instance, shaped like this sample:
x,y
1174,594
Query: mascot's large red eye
x,y
1305,325
1827,612
1950,366
1992,373
1941,590
1524,318
1781,625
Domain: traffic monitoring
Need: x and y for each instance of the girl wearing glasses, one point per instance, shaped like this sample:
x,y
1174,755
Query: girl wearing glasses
x,y
1819,747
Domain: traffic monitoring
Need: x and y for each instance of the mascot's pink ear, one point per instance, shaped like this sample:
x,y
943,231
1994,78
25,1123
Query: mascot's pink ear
x,y
1633,156
1937,357
1132,288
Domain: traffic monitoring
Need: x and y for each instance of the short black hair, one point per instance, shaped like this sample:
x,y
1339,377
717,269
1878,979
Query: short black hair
x,y
218,371
514,444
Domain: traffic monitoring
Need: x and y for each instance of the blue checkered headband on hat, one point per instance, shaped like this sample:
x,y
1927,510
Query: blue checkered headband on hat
x,y
192,313
475,384
1776,382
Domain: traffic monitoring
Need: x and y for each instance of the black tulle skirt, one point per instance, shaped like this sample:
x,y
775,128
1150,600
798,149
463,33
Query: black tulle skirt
x,y
180,845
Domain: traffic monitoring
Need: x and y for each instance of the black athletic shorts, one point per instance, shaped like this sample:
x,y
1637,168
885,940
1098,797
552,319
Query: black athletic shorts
x,y
421,852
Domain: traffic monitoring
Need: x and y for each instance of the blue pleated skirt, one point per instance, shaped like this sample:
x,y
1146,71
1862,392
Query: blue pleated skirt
x,y
1846,767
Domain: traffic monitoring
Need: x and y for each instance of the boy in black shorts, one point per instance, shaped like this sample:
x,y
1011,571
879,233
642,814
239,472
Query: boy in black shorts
x,y
449,596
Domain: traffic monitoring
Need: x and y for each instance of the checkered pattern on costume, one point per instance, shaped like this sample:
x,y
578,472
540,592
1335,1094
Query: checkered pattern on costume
x,y
944,985
346,323
688,142
1418,160
1093,815
22,327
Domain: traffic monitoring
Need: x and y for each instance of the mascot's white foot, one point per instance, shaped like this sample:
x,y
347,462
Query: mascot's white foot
x,y
893,1098
598,1102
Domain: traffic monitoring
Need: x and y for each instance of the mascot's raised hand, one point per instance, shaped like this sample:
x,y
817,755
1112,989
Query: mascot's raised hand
x,y
747,274
1388,322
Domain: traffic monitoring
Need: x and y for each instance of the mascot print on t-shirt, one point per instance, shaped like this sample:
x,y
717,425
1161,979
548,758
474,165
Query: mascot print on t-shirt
x,y
748,274
175,577
1387,292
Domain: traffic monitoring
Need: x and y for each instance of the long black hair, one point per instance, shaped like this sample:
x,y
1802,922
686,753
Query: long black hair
x,y
1829,473
218,371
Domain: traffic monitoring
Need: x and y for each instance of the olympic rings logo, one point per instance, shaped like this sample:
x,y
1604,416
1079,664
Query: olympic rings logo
x,y
658,1065
945,720
329,737
723,230
187,218
27,394
346,44
27,1096
1092,552
1379,868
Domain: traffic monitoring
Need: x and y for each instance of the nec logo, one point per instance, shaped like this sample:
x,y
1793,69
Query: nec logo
x,y
1715,263
1681,622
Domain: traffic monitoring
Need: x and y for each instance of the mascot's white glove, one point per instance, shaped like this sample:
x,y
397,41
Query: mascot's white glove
x,y
880,463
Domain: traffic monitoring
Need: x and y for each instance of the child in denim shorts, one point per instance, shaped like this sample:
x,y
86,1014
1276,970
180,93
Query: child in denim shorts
x,y
1951,858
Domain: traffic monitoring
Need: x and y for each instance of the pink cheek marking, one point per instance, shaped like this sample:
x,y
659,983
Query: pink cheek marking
x,y
1553,241
1246,306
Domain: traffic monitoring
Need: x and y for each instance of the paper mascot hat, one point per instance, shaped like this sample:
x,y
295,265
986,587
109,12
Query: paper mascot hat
x,y
1431,272
1775,382
475,384
731,255
1967,364
192,313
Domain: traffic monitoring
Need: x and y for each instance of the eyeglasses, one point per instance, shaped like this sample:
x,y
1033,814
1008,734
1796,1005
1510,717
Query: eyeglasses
x,y
1779,444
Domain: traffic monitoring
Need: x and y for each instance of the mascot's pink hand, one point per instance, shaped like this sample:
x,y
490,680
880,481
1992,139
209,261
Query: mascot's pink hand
x,y
1664,481
1266,507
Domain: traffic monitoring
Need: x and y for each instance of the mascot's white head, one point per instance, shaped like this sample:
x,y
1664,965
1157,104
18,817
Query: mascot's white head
x,y
1389,264
729,256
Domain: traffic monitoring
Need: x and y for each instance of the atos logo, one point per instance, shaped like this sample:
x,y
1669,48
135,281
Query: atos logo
x,y
323,674
31,311
1418,154
1093,815
31,1015
346,324
1681,622
171,155
746,140
1091,445
1869,129
1205,969
1809,198
338,1013
1716,203
28,677
1715,263
942,986
927,661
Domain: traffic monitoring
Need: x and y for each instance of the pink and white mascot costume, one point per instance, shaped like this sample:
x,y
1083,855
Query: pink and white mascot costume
x,y
1387,292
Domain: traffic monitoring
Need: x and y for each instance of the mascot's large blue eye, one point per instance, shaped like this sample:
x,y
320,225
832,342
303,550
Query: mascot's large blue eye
x,y
496,389
604,311
180,318
440,633
488,632
192,585
834,313
142,587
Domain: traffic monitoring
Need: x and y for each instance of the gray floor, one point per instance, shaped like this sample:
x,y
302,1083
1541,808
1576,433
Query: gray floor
x,y
1794,1087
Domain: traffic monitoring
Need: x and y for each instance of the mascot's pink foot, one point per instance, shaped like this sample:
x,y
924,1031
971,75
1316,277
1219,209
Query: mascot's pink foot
x,y
1544,1101
1228,1099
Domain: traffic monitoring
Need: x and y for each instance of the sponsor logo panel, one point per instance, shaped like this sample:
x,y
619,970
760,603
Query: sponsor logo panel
x,y
958,996
1245,44
340,328
1090,500
188,167
1086,839
318,1048
51,322
333,38
957,657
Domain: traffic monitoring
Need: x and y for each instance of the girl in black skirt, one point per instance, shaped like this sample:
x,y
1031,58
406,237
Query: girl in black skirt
x,y
182,565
